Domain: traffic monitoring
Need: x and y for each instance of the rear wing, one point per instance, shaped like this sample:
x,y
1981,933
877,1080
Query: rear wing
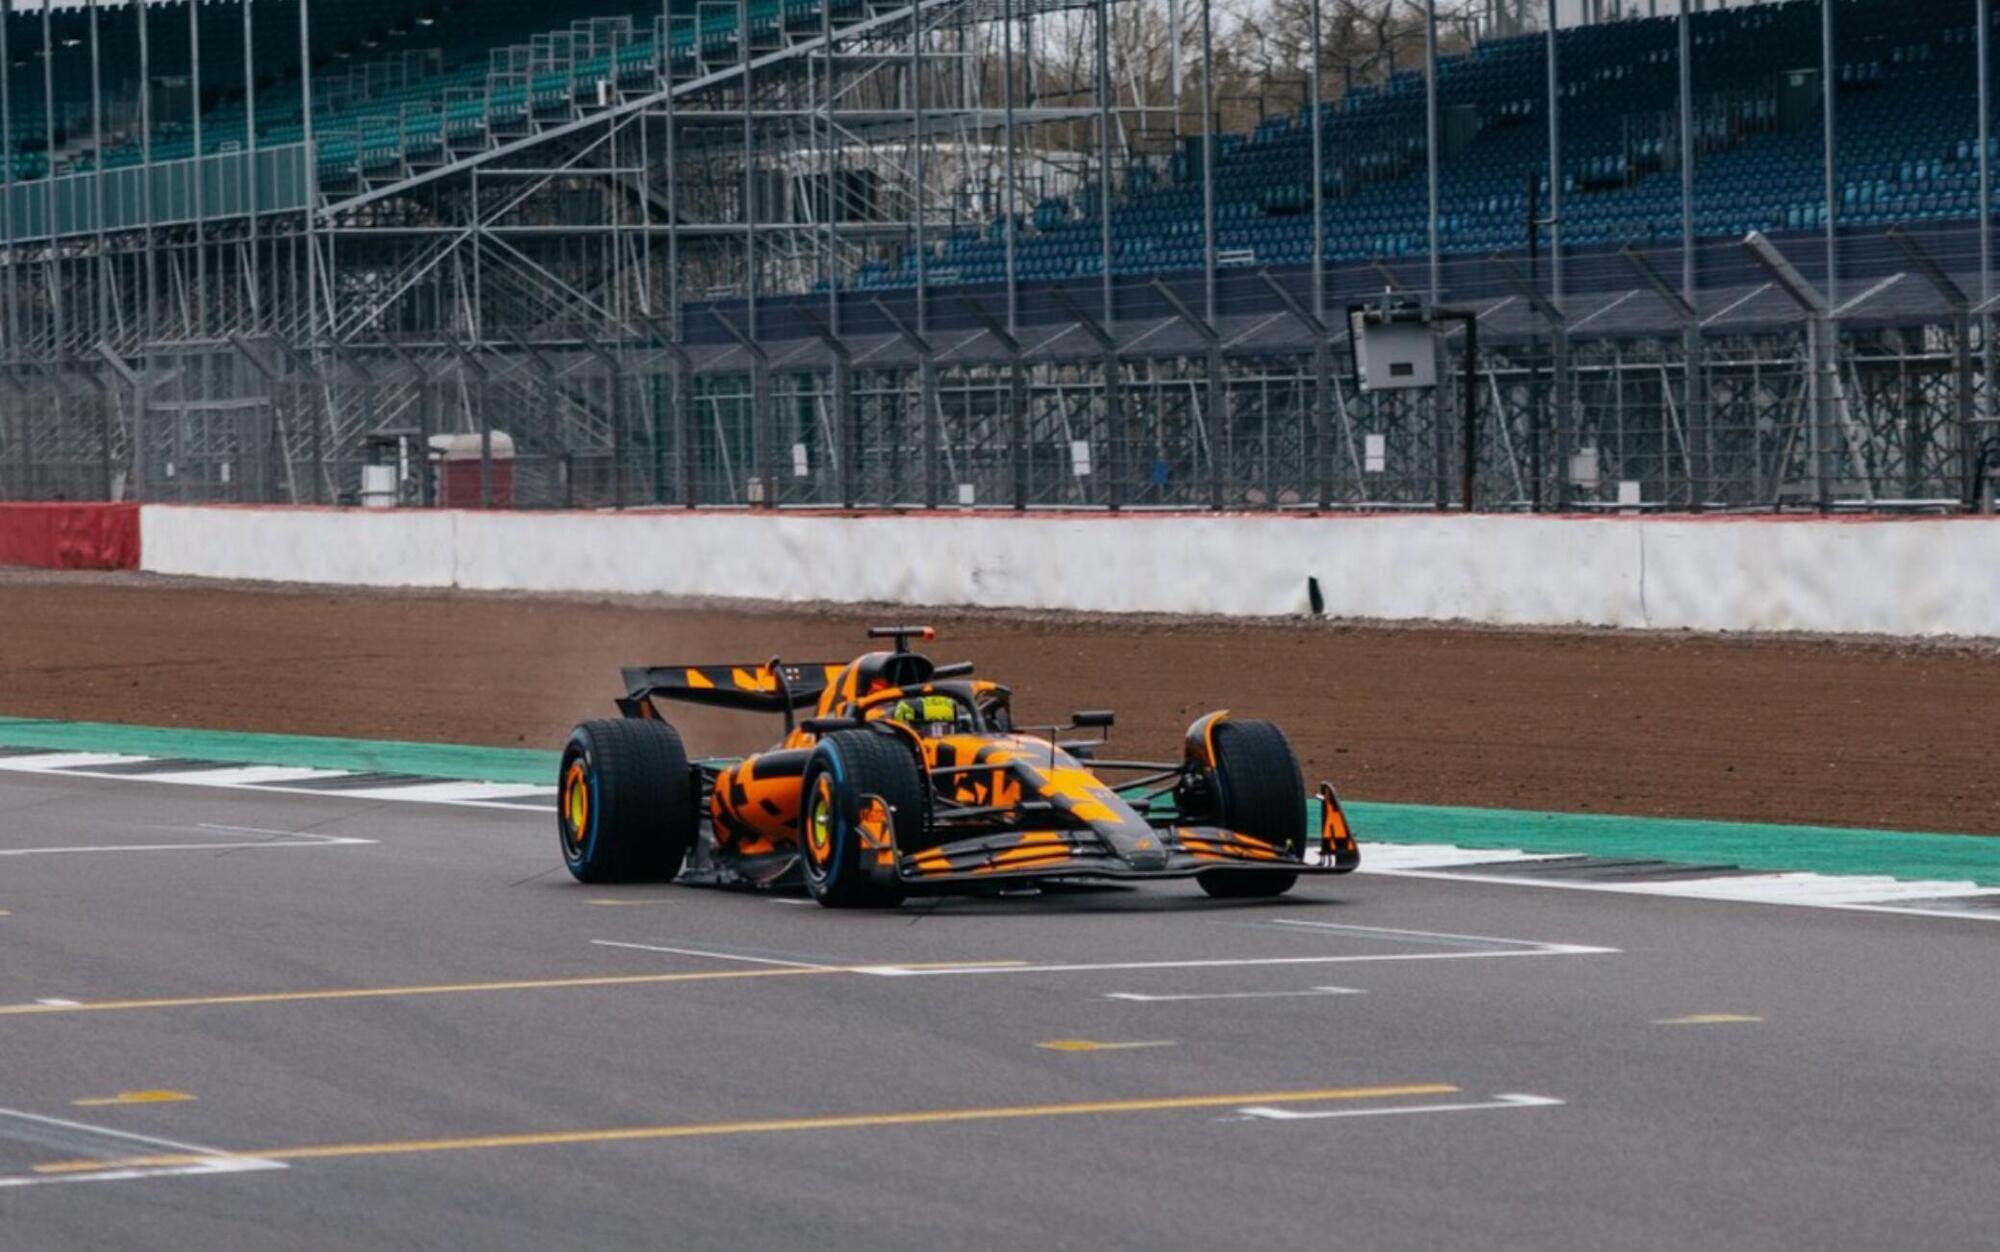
x,y
754,688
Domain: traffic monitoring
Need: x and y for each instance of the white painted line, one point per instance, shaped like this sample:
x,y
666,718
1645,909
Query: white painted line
x,y
239,775
945,971
713,956
1380,857
495,796
1443,936
449,792
60,1004
55,762
214,1162
290,840
1268,1113
1714,889
1813,888
219,1164
1141,998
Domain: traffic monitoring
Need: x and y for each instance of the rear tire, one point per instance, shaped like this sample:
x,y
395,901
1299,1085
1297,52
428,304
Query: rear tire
x,y
1258,791
625,802
847,765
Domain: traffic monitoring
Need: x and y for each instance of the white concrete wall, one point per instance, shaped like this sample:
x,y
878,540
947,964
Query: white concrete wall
x,y
345,547
1929,577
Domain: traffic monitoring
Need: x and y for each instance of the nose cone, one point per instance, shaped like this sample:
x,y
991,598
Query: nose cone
x,y
1077,791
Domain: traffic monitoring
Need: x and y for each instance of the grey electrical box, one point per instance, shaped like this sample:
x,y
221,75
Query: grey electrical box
x,y
1395,347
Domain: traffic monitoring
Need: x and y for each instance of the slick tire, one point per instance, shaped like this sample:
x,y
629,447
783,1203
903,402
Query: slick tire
x,y
1259,792
625,805
847,765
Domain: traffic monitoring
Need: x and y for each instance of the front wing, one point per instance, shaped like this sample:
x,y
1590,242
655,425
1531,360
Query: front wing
x,y
1190,850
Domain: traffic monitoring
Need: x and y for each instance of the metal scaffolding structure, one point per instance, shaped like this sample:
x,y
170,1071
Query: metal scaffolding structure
x,y
648,293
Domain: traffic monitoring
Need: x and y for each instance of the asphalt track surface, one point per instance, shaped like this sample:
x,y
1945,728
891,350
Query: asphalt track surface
x,y
402,1026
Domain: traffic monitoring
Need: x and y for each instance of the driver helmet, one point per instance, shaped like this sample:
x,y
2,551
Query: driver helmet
x,y
931,716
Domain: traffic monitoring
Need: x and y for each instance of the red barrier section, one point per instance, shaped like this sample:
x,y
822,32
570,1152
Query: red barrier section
x,y
70,536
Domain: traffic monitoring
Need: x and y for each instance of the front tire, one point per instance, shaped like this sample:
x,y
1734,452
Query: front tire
x,y
847,765
625,802
1257,791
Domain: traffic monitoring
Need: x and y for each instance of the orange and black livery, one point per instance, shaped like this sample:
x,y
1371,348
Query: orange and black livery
x,y
898,775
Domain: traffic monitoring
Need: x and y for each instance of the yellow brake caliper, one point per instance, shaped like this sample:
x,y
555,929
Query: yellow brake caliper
x,y
576,802
821,832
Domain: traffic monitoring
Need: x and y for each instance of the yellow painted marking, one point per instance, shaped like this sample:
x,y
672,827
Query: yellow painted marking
x,y
1706,1019
1092,1045
379,993
5,913
133,1097
700,1130
467,988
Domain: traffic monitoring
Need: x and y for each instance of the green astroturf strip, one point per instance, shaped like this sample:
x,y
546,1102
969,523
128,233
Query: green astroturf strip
x,y
431,760
1820,849
1752,845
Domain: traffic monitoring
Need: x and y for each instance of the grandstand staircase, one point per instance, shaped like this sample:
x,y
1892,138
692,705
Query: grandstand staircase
x,y
606,71
534,95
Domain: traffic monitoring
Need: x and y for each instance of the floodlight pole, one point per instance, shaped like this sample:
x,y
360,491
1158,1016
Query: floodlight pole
x,y
1826,71
200,196
1826,368
150,321
97,164
1430,135
1691,342
312,190
671,135
49,266
1985,11
1208,164
250,196
1115,433
1010,236
1319,177
919,145
1559,364
7,165
1323,384
1104,108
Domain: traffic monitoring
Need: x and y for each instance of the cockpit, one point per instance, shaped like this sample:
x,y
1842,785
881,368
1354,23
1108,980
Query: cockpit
x,y
943,711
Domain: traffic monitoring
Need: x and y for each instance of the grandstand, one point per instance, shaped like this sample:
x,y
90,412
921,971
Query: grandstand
x,y
942,253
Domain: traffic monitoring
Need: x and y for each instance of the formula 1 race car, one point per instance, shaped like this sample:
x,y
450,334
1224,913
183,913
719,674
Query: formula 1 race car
x,y
912,777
